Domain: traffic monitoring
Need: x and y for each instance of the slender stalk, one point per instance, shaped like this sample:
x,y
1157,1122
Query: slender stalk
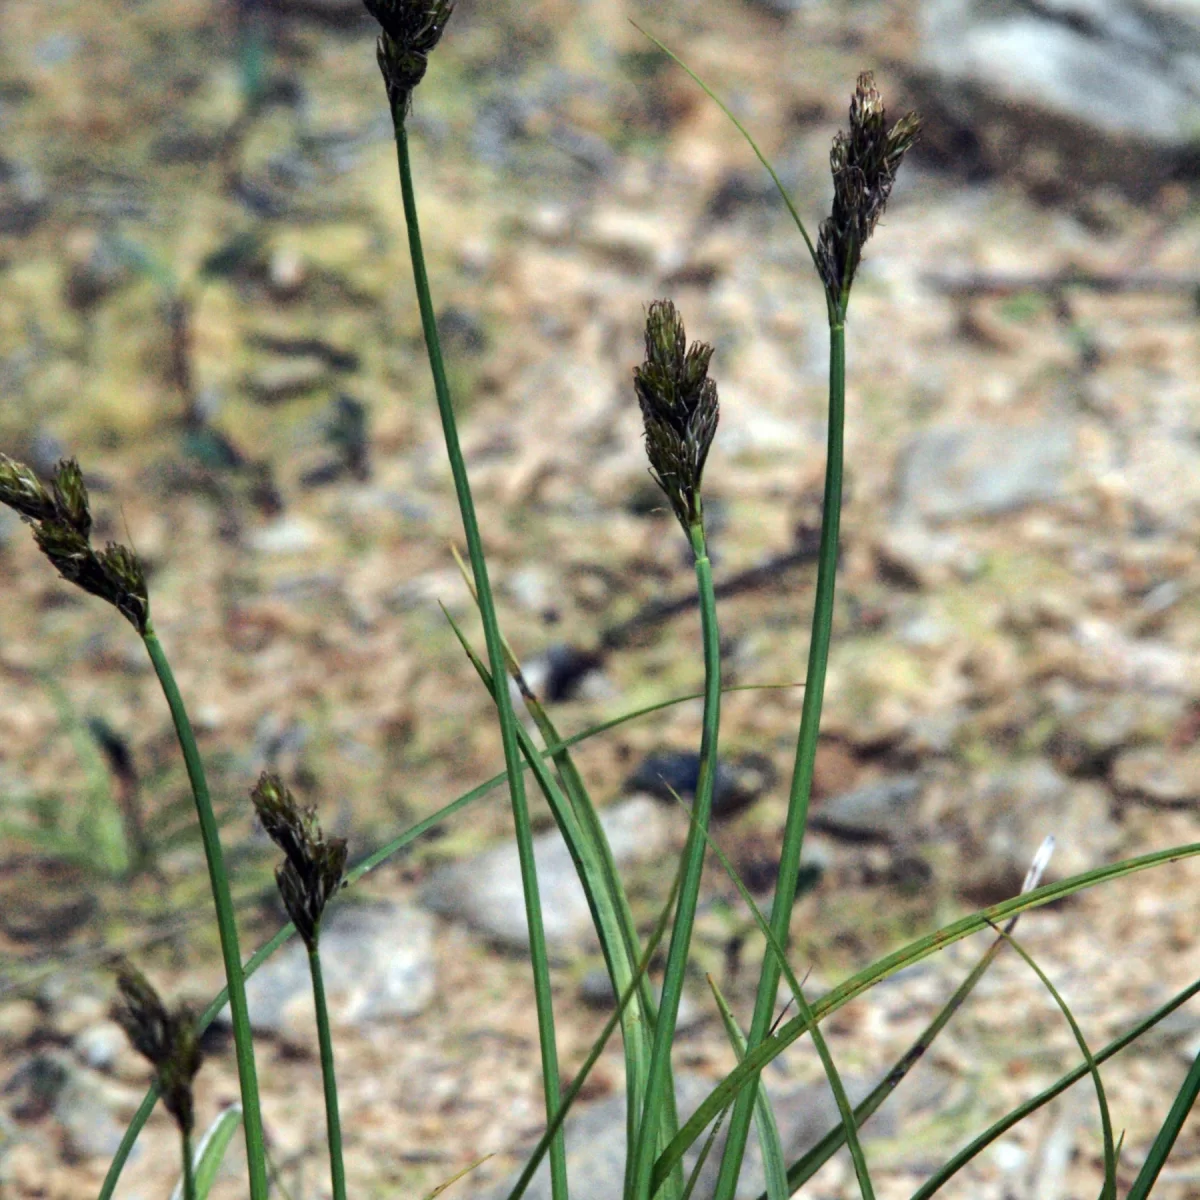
x,y
806,753
495,648
390,849
189,1170
333,1124
243,1041
659,1076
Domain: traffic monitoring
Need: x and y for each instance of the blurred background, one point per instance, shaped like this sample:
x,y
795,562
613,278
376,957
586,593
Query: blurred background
x,y
205,295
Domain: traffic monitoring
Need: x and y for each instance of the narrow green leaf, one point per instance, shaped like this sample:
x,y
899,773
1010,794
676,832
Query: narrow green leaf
x,y
764,1116
210,1151
539,1151
1171,1127
762,158
806,1014
589,848
914,952
997,1129
1110,1155
702,1157
810,1163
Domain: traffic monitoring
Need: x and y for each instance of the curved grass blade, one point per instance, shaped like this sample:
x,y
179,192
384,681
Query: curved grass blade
x,y
764,1116
915,951
804,1168
1171,1127
210,1152
137,1123
660,1086
1110,1155
590,852
702,1157
539,1151
809,1020
441,1187
998,1128
762,158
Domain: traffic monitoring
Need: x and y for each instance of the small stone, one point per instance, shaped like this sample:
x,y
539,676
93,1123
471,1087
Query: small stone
x,y
287,535
1158,775
377,961
955,472
101,1046
637,240
564,672
740,781
485,891
19,1021
288,379
883,811
1013,810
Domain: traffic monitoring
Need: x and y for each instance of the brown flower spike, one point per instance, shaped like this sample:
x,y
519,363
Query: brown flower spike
x,y
864,163
62,527
166,1037
411,30
314,867
679,409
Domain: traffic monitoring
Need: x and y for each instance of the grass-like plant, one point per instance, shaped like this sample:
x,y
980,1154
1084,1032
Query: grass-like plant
x,y
678,402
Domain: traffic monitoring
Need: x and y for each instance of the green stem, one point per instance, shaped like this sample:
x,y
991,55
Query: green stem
x,y
333,1124
189,1171
495,648
659,1077
243,1041
806,753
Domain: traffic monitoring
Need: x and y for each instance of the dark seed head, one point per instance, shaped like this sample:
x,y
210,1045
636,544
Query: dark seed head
x,y
22,491
314,865
679,409
167,1038
864,163
71,498
62,521
411,30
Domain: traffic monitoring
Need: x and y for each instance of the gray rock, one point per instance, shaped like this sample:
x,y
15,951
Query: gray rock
x,y
100,1046
596,1140
90,1111
1014,809
885,811
486,892
1159,775
1089,79
377,960
87,1108
952,472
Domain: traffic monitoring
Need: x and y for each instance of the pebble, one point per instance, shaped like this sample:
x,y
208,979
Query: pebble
x,y
288,379
741,779
286,535
378,964
956,472
485,891
883,811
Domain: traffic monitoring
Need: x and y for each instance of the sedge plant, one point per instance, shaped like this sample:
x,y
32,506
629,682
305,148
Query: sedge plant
x,y
61,518
679,407
313,870
169,1041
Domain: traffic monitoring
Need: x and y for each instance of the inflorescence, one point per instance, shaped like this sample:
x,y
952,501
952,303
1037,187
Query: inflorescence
x,y
411,29
864,163
314,867
679,408
167,1038
62,526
